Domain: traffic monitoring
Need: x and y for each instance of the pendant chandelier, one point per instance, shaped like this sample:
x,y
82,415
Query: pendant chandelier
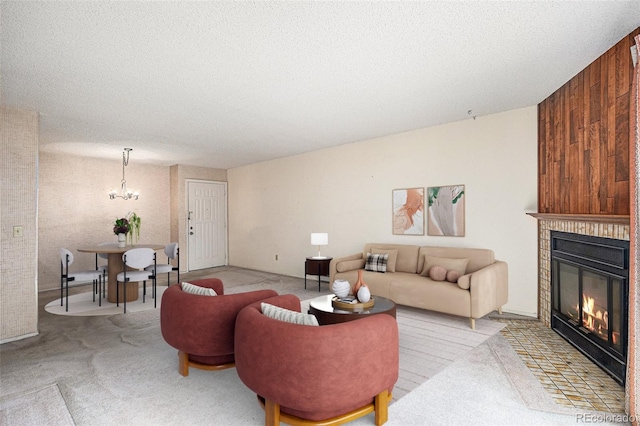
x,y
125,193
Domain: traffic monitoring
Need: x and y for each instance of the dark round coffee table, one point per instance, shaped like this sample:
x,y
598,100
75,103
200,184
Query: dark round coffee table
x,y
326,314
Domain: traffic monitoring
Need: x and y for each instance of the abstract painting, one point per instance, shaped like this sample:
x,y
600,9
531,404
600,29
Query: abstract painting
x,y
408,211
446,210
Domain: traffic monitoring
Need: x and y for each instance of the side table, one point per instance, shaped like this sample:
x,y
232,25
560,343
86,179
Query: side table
x,y
316,266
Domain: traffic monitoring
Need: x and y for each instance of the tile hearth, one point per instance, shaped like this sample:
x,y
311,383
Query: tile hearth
x,y
571,378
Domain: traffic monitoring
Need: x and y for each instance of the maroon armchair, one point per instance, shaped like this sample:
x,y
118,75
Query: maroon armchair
x,y
201,328
317,375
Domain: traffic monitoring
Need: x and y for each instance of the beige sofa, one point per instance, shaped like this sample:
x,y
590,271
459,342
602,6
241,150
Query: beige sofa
x,y
481,289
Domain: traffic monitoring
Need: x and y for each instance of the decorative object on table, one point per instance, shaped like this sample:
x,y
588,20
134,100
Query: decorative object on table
x,y
341,288
364,295
319,239
446,210
359,283
125,193
351,304
134,225
121,229
408,211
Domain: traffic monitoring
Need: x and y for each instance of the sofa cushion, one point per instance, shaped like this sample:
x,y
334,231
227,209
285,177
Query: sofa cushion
x,y
376,262
196,289
478,258
459,265
407,260
452,275
464,282
391,261
286,315
438,273
350,265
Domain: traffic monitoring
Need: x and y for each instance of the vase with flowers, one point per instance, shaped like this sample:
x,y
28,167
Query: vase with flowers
x,y
134,227
121,229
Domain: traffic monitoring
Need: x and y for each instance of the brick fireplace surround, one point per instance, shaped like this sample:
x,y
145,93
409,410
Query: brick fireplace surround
x,y
615,227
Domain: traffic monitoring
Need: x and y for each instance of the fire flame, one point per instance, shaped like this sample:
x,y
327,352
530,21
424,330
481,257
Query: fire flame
x,y
593,321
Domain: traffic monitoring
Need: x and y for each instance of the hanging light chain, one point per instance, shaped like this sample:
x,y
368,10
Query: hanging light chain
x,y
126,194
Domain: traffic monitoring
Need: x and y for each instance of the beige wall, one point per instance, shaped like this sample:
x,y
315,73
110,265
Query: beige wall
x,y
346,191
18,207
75,209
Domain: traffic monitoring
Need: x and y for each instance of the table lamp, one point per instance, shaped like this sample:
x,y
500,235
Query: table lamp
x,y
319,239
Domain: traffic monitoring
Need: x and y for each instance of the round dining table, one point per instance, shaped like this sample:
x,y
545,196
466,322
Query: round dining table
x,y
115,265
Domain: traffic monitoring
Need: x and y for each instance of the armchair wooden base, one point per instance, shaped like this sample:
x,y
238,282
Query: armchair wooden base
x,y
184,363
380,406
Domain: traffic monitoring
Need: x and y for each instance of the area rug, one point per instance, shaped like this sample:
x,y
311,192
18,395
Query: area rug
x,y
82,304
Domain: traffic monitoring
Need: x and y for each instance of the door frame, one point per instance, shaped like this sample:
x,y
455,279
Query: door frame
x,y
186,217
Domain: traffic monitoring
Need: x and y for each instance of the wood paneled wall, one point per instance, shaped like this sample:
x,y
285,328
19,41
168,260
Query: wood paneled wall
x,y
583,139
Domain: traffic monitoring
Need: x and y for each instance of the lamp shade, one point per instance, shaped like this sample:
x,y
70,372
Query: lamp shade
x,y
319,239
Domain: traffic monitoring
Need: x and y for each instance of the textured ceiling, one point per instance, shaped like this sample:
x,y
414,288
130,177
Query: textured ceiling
x,y
223,84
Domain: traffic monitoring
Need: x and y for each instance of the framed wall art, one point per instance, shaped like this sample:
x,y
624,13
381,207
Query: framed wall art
x,y
445,213
408,211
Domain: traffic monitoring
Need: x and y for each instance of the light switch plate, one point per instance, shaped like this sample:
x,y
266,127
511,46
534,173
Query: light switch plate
x,y
18,231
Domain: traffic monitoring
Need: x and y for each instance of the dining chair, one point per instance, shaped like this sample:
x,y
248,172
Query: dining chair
x,y
79,277
137,258
104,268
173,252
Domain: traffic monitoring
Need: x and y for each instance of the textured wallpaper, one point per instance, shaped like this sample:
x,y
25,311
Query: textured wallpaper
x,y
75,209
18,207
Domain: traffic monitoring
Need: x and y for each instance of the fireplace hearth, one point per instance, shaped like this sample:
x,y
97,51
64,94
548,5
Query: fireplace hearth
x,y
589,297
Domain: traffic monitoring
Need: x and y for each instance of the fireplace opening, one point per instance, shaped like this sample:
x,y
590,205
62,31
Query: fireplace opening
x,y
589,297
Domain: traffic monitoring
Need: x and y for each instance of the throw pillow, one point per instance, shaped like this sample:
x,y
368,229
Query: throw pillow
x,y
287,315
196,289
438,273
350,265
459,265
376,262
452,276
464,282
393,256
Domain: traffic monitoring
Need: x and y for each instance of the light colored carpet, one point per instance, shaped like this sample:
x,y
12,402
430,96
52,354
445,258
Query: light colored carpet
x,y
117,369
82,304
429,341
43,406
474,389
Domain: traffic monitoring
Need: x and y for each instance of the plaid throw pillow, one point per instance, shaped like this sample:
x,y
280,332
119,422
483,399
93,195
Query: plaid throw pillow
x,y
376,262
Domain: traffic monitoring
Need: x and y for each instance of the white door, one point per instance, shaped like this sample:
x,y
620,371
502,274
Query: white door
x,y
207,224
